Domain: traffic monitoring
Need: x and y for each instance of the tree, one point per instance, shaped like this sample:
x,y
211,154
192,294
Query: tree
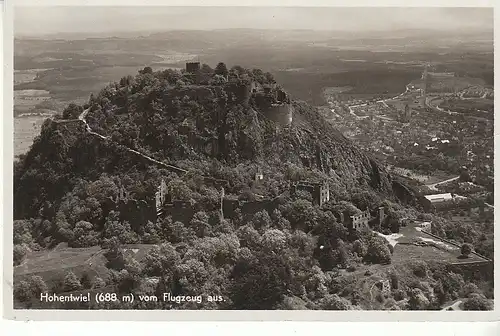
x,y
72,111
200,225
161,260
261,221
146,70
378,252
335,302
261,282
22,291
417,300
151,233
477,302
22,232
98,283
19,254
113,227
217,80
114,255
466,249
301,214
84,235
86,281
247,195
37,286
221,69
71,282
359,248
465,176
177,232
239,70
274,240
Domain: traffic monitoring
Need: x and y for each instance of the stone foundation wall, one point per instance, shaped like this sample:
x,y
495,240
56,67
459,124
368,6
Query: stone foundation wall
x,y
279,113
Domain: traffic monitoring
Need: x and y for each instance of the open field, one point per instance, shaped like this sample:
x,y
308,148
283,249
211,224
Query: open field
x,y
452,84
433,178
25,129
52,265
435,249
468,106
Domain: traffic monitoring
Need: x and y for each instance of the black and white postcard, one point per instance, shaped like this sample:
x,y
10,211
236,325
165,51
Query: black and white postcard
x,y
302,161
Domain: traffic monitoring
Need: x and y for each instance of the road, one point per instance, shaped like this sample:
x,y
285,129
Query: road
x,y
434,185
428,101
383,101
87,127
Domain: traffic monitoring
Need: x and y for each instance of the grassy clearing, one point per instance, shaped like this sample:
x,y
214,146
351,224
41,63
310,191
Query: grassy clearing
x,y
53,264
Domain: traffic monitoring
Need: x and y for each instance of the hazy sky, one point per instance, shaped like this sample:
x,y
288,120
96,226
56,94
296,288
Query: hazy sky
x,y
48,20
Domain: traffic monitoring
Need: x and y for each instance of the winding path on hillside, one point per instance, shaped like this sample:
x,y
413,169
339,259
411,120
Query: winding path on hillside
x,y
434,185
176,169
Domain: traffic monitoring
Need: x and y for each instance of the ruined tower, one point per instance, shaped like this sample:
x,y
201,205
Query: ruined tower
x,y
381,215
222,202
160,197
193,67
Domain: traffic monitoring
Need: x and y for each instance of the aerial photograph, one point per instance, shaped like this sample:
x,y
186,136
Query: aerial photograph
x,y
253,158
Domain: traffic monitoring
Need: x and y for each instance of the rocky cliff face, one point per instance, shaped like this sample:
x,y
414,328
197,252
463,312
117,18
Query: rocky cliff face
x,y
314,144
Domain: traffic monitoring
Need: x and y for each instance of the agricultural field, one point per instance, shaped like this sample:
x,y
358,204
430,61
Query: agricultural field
x,y
452,84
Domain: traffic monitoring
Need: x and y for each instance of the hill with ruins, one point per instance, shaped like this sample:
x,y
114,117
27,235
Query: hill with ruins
x,y
205,121
230,186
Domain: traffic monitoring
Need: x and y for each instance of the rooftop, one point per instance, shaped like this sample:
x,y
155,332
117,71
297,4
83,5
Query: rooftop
x,y
439,197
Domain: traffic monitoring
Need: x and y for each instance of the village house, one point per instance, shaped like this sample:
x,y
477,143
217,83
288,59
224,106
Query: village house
x,y
432,201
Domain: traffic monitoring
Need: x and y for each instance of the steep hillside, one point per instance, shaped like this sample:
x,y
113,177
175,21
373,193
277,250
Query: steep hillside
x,y
223,120
197,122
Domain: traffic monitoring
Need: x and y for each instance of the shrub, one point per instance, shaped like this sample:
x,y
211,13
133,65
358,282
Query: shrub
x,y
469,290
335,302
466,249
394,280
359,248
399,295
19,254
477,302
378,252
419,268
98,283
71,282
22,291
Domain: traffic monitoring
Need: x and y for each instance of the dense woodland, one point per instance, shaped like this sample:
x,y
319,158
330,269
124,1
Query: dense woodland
x,y
66,186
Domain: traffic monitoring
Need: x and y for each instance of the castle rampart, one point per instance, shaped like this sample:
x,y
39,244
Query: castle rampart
x,y
240,91
281,114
